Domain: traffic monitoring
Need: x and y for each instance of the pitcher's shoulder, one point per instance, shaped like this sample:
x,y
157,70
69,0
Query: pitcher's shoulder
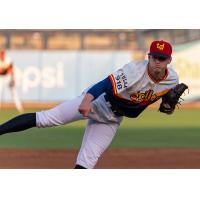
x,y
172,75
172,72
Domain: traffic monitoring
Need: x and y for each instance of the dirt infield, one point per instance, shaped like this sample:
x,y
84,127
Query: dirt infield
x,y
112,159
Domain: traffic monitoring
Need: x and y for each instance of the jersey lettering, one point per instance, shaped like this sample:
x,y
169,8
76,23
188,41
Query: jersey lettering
x,y
146,96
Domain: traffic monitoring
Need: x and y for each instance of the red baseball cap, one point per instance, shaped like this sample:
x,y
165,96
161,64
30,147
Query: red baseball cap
x,y
161,48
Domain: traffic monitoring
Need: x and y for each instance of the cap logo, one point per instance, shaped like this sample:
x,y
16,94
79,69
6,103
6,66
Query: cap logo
x,y
160,46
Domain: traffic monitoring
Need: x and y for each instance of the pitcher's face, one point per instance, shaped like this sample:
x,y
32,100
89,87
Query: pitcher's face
x,y
158,65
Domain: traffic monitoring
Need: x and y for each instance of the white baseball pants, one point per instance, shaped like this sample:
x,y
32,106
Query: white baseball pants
x,y
99,133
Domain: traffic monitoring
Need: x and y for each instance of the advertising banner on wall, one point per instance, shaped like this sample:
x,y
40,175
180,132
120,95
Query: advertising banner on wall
x,y
60,75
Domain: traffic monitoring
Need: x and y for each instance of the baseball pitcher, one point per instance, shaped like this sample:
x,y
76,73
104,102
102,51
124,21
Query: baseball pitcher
x,y
125,93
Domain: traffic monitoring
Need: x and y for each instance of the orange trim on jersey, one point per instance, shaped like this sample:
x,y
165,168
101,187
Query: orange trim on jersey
x,y
166,74
162,93
112,79
114,92
149,100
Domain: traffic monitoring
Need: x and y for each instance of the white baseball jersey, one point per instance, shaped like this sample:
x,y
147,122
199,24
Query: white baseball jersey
x,y
133,85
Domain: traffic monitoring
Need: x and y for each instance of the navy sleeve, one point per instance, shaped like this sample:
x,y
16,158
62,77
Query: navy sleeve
x,y
101,87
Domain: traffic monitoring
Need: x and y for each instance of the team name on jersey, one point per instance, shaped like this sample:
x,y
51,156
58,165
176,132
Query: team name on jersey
x,y
144,96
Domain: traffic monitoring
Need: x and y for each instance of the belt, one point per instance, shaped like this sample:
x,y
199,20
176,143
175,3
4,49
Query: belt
x,y
112,108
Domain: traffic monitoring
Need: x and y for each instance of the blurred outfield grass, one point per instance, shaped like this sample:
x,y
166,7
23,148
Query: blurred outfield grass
x,y
151,130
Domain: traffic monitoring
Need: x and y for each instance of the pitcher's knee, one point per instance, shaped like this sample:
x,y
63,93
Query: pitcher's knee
x,y
47,119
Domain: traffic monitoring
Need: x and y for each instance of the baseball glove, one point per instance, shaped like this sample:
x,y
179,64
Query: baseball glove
x,y
171,99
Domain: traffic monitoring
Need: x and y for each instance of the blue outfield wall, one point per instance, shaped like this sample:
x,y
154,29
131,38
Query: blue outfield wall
x,y
61,75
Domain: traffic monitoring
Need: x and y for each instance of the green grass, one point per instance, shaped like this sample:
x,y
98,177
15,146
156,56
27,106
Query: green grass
x,y
151,129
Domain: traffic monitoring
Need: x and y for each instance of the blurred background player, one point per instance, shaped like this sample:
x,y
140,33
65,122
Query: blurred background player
x,y
7,79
